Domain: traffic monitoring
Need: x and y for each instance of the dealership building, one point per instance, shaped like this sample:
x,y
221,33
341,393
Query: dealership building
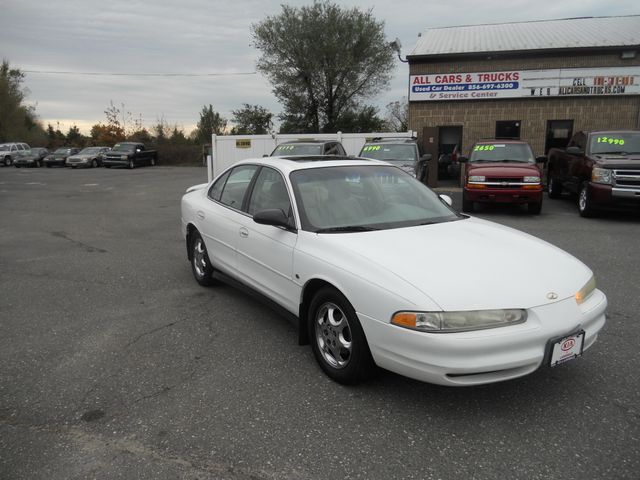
x,y
538,81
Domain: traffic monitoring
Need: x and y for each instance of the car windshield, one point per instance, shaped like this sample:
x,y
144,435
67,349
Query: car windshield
x,y
612,142
395,154
297,149
364,198
119,147
502,152
90,150
63,150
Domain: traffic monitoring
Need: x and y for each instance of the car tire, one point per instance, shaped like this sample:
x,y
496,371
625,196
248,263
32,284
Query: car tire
x,y
48,165
94,163
37,164
17,166
554,187
7,161
467,205
585,204
200,263
152,162
131,165
534,208
337,338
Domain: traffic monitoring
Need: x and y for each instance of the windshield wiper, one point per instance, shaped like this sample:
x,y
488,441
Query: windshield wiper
x,y
346,229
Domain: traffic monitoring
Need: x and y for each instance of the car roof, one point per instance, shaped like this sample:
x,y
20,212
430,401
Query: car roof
x,y
310,141
380,141
301,162
502,140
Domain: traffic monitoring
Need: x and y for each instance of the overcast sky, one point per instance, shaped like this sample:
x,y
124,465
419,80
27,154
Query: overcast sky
x,y
202,37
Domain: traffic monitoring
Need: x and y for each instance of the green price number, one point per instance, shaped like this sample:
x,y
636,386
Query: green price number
x,y
371,148
611,140
484,148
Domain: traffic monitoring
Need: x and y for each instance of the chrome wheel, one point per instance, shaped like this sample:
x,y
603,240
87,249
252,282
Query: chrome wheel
x,y
200,262
582,200
333,335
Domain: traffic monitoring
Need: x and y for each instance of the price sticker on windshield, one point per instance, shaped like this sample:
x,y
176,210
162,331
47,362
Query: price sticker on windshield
x,y
371,148
486,148
611,140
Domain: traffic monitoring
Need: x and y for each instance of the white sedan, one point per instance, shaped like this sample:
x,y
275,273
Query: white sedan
x,y
378,270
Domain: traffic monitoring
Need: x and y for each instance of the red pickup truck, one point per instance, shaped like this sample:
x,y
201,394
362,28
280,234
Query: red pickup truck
x,y
502,171
601,167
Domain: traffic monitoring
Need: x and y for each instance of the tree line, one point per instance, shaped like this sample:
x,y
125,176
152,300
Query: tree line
x,y
323,61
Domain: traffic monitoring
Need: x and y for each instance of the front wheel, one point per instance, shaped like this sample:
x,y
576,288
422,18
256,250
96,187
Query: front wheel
x,y
7,161
554,187
200,263
131,165
467,205
337,338
152,162
585,204
534,208
94,163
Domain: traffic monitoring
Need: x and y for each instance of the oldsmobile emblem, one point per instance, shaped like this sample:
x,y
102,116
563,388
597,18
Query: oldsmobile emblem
x,y
552,295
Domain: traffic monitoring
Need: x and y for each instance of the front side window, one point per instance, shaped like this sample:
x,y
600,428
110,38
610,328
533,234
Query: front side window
x,y
235,188
362,198
269,192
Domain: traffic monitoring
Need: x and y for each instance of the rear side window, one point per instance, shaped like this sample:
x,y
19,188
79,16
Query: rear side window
x,y
235,188
216,189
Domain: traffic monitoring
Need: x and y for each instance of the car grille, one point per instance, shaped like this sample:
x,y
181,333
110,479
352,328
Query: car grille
x,y
627,179
504,182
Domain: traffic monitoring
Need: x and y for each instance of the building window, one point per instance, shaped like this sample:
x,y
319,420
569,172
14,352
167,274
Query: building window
x,y
508,129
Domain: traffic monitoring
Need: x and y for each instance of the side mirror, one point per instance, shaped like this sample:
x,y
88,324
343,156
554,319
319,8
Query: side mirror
x,y
541,159
574,151
446,199
426,157
272,216
462,159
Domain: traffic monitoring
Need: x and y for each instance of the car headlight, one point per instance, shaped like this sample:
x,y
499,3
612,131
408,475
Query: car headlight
x,y
602,175
533,179
477,178
586,291
124,157
448,322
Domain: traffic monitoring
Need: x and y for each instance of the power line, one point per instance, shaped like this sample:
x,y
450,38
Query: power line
x,y
119,74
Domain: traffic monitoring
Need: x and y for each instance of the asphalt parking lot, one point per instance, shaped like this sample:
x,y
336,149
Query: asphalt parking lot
x,y
115,363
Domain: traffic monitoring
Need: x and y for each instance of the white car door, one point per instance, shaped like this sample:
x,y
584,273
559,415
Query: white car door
x,y
265,252
219,217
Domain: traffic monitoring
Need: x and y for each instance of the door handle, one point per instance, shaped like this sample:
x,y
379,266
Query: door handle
x,y
200,214
244,233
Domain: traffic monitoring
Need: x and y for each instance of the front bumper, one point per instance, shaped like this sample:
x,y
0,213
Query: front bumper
x,y
25,163
111,162
503,195
482,356
78,163
608,197
58,161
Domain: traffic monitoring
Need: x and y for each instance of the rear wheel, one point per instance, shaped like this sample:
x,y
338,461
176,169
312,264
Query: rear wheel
x,y
200,263
337,338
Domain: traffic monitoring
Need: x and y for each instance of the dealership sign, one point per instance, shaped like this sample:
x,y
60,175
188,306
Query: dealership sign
x,y
566,82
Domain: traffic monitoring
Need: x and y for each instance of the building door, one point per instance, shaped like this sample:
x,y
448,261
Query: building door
x,y
430,145
449,143
559,133
508,129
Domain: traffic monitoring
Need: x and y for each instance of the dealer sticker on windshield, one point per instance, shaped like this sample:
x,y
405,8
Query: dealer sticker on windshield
x,y
567,348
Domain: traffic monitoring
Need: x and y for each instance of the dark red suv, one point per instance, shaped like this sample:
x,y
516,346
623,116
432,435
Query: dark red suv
x,y
502,171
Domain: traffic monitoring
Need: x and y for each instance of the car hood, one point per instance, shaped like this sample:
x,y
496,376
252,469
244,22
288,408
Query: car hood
x,y
503,169
617,161
467,264
84,156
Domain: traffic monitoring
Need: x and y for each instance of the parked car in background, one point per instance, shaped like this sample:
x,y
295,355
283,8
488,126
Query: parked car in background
x,y
130,155
405,153
602,167
309,147
59,157
87,157
502,171
31,158
363,257
9,152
